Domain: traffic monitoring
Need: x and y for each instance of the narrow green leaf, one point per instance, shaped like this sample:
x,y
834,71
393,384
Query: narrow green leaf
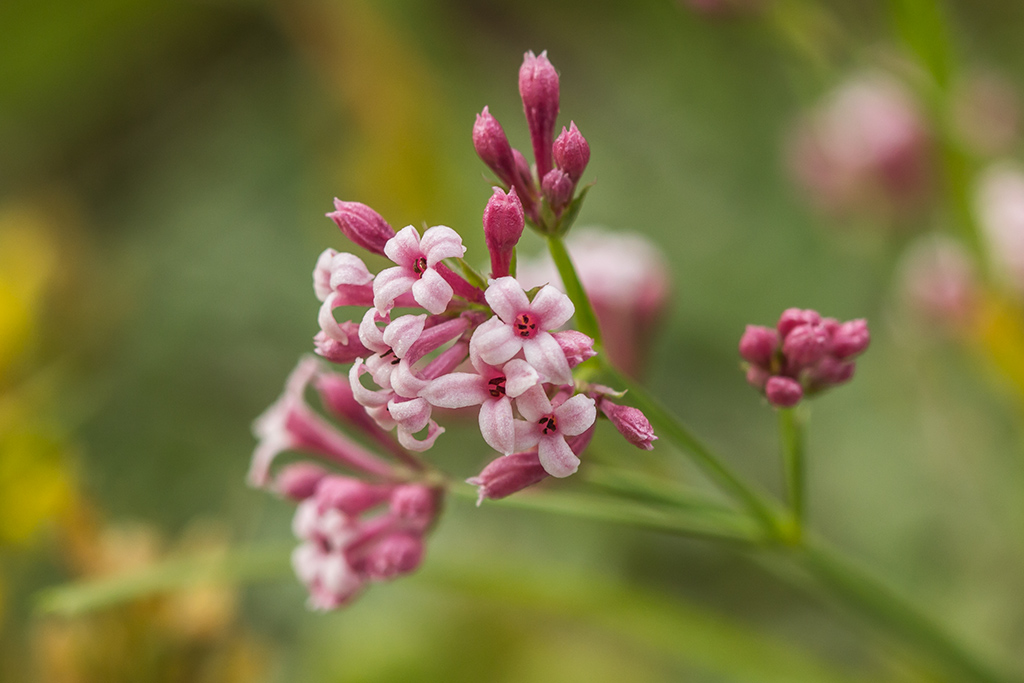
x,y
471,274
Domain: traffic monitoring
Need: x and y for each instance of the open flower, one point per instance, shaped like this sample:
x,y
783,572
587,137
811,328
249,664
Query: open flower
x,y
546,427
524,325
417,261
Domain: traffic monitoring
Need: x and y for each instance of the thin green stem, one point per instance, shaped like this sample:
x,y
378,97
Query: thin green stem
x,y
586,321
791,432
667,426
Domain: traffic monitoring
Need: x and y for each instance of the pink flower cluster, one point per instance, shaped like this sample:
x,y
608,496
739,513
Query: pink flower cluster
x,y
803,355
426,337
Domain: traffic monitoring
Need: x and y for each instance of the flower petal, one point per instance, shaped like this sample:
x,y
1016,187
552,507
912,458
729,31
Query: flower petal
x,y
404,247
497,425
441,242
519,376
553,307
325,316
349,269
527,435
402,332
432,292
410,442
506,298
322,274
576,415
365,397
456,390
556,456
371,336
404,381
389,285
546,356
533,404
412,415
495,342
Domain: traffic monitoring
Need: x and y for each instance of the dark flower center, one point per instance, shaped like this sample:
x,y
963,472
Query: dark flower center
x,y
391,352
548,424
525,325
497,387
419,265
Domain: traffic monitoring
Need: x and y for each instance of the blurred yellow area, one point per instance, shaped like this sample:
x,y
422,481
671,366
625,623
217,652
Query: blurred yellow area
x,y
998,333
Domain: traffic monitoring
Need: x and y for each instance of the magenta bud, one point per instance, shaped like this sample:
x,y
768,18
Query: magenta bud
x,y
492,147
571,152
631,423
395,554
850,339
792,318
362,225
829,372
503,226
783,392
759,344
299,480
805,345
576,346
508,474
351,496
414,503
341,352
757,376
538,86
524,176
557,187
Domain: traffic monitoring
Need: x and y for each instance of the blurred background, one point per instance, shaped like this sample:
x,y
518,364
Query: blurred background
x,y
166,166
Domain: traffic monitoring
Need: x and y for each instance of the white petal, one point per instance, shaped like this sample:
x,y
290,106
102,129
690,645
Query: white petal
x,y
410,442
506,298
527,435
404,381
328,324
495,342
441,242
370,335
349,269
456,390
576,415
519,376
497,425
553,307
404,247
533,404
556,457
546,356
432,292
410,415
402,332
389,285
322,274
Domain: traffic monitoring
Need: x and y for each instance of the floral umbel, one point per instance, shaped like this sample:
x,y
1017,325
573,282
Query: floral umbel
x,y
434,334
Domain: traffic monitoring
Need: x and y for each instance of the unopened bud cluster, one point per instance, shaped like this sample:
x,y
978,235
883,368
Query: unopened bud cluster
x,y
428,338
546,190
803,355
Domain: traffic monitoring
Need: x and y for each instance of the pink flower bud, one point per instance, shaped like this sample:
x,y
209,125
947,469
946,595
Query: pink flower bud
x,y
508,474
571,152
759,344
362,225
795,317
805,345
783,392
492,147
414,503
538,86
557,187
503,226
395,554
829,372
850,339
524,178
631,423
576,346
350,496
299,480
337,351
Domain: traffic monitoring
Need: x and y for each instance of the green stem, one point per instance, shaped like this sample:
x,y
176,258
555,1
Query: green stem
x,y
586,321
792,436
669,427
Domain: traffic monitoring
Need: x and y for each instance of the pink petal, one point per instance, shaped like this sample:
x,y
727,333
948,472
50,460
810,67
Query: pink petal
x,y
534,404
495,342
456,390
506,298
389,285
441,242
576,415
546,356
381,368
553,307
556,456
519,376
322,274
405,383
365,397
410,442
497,425
404,247
432,292
410,415
403,332
371,336
327,321
349,269
527,435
